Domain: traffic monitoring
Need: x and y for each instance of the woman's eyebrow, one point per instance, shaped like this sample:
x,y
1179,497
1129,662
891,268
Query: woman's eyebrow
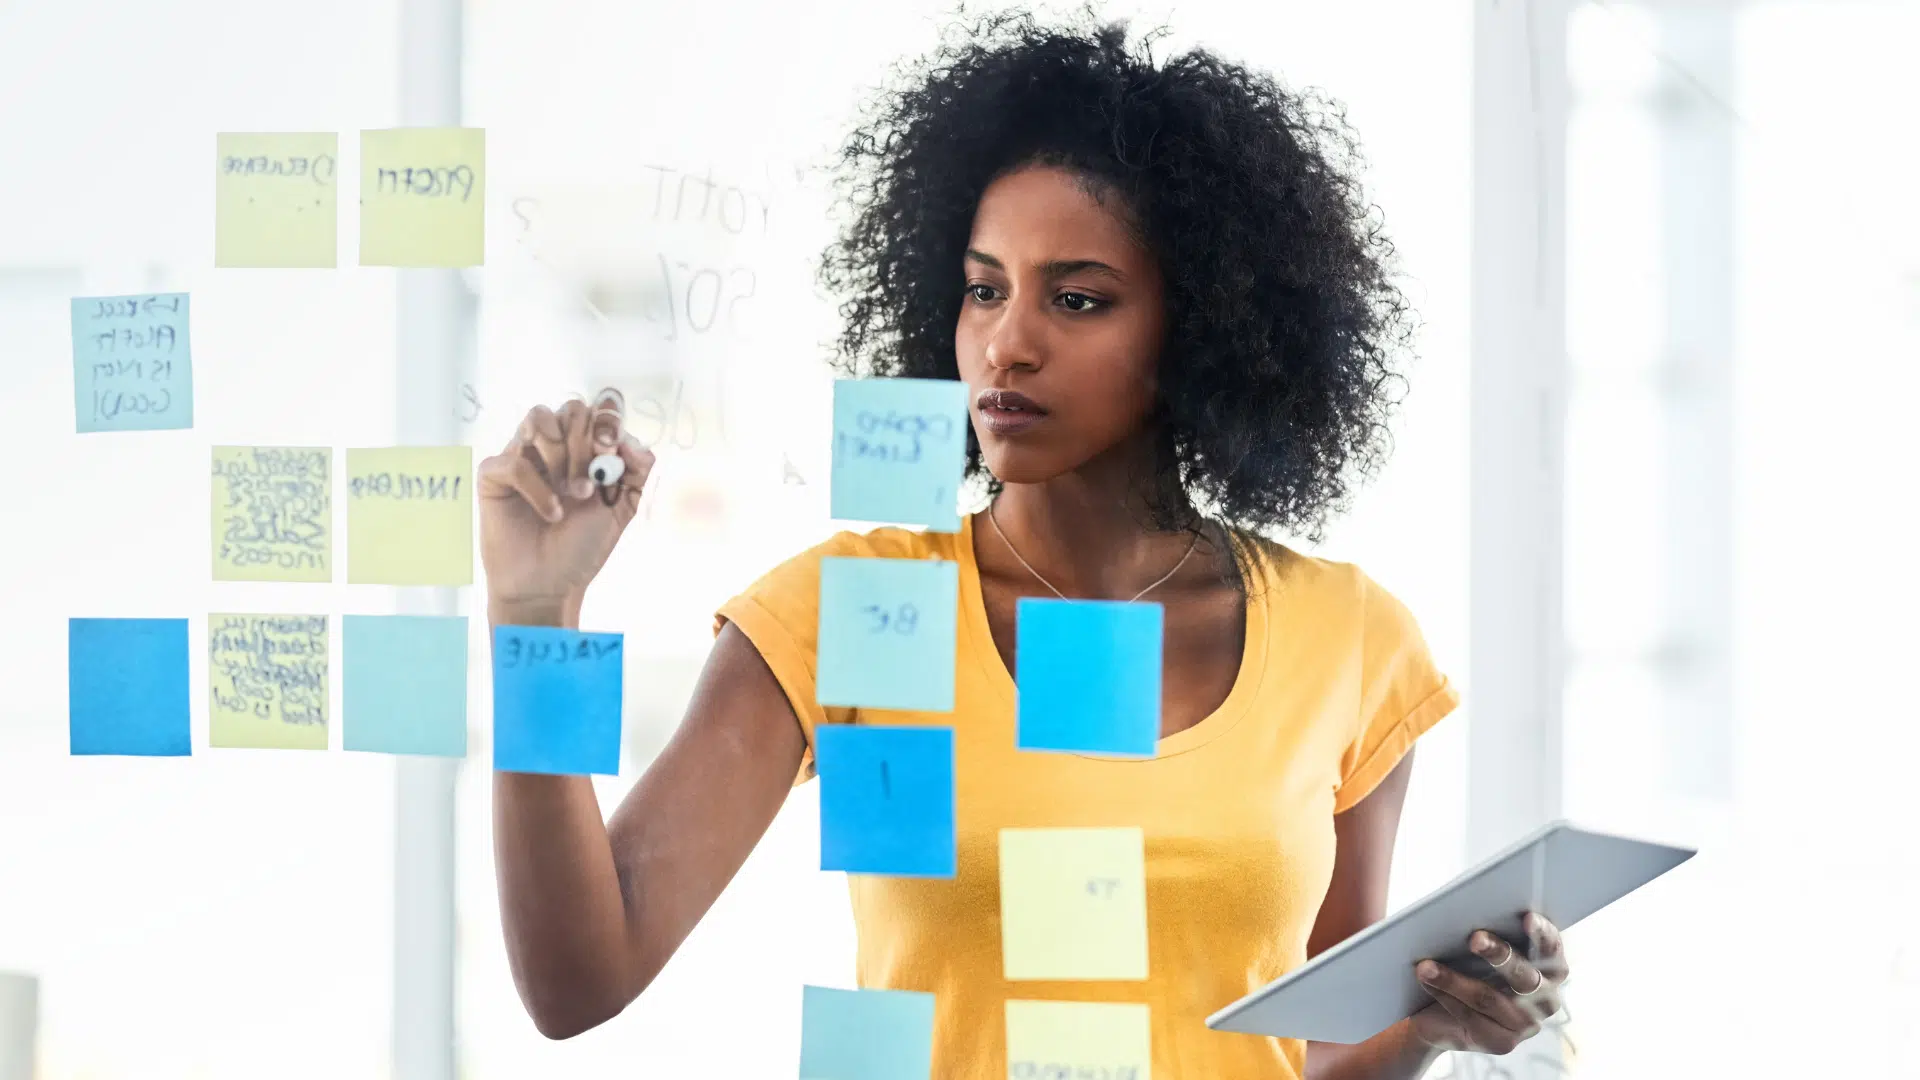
x,y
1056,268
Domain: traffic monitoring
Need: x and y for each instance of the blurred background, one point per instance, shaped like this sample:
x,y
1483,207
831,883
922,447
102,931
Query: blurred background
x,y
1649,500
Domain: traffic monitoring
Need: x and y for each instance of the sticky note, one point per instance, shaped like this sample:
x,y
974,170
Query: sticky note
x,y
865,1034
1048,1039
1073,903
269,676
404,684
887,633
556,701
275,199
1088,675
886,799
422,193
410,515
899,450
132,365
272,513
127,687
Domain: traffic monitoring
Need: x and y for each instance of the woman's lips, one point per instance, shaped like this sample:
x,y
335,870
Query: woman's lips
x,y
1008,412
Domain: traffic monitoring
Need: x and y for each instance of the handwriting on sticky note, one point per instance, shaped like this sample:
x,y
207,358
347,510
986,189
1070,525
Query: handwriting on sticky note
x,y
422,197
556,700
410,515
886,799
127,687
276,199
132,363
1078,1040
1073,903
899,450
888,630
269,676
272,513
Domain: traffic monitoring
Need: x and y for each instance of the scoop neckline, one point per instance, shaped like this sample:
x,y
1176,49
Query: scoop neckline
x,y
1246,682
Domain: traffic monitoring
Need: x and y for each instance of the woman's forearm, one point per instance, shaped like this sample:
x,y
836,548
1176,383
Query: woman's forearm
x,y
561,903
1394,1054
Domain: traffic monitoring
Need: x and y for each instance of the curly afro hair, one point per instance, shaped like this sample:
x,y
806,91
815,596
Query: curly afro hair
x,y
1283,319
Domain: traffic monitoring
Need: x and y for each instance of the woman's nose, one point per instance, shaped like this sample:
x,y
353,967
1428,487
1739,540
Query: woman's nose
x,y
1014,343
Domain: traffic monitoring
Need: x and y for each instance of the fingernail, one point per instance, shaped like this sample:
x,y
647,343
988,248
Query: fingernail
x,y
1428,971
1482,943
582,487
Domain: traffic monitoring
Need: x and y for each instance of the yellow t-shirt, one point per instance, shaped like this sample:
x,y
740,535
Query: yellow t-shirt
x,y
1237,811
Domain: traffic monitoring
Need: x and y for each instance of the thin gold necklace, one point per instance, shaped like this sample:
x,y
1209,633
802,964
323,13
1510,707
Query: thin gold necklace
x,y
1023,562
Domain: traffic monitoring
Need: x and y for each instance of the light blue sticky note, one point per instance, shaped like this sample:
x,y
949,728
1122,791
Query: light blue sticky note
x,y
556,701
887,633
132,365
865,1034
886,799
899,448
405,684
1088,675
127,687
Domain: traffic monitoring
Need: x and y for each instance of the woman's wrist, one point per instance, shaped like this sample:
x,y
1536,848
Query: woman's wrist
x,y
542,611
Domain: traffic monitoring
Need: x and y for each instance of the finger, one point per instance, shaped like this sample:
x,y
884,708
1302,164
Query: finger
x,y
1484,998
1545,947
578,417
542,433
1520,974
1476,1030
639,463
506,476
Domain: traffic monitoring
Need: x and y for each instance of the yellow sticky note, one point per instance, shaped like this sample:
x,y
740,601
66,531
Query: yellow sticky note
x,y
422,192
1073,903
410,515
1113,1041
274,199
269,676
272,513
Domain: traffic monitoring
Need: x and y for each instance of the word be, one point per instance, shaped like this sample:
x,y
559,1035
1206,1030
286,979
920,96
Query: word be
x,y
902,621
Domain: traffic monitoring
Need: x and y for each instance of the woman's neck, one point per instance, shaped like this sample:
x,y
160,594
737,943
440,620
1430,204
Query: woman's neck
x,y
1089,541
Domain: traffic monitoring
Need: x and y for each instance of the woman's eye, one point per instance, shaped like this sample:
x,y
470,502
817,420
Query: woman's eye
x,y
1080,302
980,293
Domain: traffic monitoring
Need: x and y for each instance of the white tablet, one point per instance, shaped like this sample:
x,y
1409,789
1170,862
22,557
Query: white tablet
x,y
1366,984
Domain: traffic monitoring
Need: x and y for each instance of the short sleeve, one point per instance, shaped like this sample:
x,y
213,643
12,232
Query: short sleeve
x,y
780,614
1402,694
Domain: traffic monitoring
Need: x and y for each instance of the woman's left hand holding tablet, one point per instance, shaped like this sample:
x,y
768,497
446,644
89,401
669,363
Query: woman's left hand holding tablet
x,y
1489,1017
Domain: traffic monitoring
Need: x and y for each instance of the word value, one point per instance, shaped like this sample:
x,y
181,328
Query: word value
x,y
514,651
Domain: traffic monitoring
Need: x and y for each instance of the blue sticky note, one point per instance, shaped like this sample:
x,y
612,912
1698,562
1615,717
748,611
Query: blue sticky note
x,y
127,687
132,367
887,633
886,799
865,1034
899,449
556,701
405,684
1088,676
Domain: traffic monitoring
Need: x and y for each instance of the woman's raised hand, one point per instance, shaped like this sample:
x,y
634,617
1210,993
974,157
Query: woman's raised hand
x,y
546,528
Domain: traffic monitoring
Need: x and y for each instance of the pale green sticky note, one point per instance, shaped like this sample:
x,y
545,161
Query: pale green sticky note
x,y
275,199
422,193
1073,903
1111,1040
269,676
272,513
410,515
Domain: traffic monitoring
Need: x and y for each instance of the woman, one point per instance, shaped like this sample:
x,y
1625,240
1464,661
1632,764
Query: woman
x,y
1175,321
